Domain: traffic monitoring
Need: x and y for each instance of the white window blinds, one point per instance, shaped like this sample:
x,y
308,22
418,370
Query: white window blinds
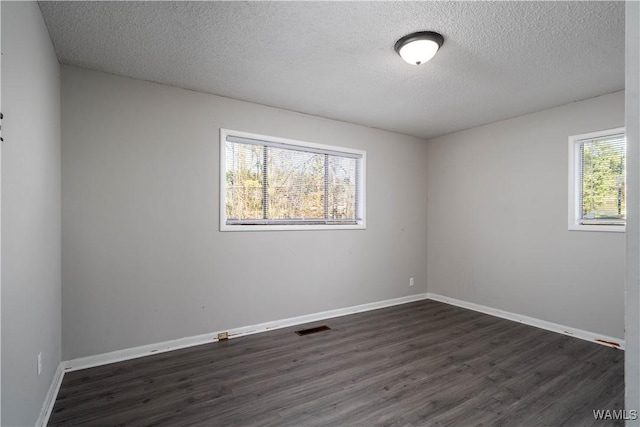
x,y
602,180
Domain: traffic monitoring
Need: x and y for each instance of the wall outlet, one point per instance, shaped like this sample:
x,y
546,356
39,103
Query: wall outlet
x,y
39,363
410,281
223,336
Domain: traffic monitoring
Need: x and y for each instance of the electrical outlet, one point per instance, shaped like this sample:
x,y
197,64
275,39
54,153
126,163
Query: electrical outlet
x,y
39,363
223,336
410,281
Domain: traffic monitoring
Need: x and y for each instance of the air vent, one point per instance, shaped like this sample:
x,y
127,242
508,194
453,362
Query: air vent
x,y
313,330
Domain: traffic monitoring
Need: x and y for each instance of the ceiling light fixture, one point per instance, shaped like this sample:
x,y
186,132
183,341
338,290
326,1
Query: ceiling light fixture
x,y
418,48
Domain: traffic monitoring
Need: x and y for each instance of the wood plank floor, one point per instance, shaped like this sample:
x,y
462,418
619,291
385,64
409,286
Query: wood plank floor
x,y
419,364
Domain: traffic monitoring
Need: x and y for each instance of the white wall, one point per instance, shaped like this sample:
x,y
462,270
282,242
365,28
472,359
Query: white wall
x,y
0,222
143,260
632,295
31,271
497,221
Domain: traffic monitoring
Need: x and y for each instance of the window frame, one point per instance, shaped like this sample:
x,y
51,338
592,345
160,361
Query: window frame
x,y
574,183
361,190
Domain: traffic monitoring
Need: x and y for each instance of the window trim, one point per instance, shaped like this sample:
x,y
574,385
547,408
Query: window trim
x,y
574,183
361,225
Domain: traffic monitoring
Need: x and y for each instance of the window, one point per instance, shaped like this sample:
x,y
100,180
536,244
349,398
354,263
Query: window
x,y
597,181
270,183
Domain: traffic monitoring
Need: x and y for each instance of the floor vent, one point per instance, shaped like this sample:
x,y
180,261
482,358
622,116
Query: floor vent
x,y
313,330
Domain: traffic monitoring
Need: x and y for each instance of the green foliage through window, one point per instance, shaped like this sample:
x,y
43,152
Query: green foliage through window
x,y
602,180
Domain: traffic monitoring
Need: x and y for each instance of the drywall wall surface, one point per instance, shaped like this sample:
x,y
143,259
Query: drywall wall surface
x,y
632,289
143,258
31,263
498,215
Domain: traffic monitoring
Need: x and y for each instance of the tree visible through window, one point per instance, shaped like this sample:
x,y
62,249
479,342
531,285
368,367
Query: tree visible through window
x,y
269,182
600,178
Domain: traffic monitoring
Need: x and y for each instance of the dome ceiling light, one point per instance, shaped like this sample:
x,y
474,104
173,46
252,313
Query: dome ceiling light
x,y
418,48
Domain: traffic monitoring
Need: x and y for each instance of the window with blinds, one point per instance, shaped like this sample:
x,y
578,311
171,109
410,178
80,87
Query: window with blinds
x,y
599,181
274,183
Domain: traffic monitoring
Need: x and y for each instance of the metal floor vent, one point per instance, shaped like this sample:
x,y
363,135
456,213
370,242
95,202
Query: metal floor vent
x,y
313,330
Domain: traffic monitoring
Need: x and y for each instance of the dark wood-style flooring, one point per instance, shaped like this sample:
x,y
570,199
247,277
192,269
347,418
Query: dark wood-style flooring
x,y
419,364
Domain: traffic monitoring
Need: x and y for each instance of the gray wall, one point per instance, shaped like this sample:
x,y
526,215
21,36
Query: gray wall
x,y
497,221
632,309
143,260
30,212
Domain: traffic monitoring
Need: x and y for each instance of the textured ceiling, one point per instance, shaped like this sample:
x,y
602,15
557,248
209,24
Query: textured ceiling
x,y
336,59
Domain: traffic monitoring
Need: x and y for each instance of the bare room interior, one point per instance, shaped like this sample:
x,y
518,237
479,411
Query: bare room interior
x,y
320,213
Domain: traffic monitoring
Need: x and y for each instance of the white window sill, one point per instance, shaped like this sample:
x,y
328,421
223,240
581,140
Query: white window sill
x,y
601,228
224,227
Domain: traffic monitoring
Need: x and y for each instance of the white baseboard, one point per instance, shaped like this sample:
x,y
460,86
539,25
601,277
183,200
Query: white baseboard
x,y
50,399
147,350
543,324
